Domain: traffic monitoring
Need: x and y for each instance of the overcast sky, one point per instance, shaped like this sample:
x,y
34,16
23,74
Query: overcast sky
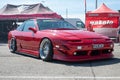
x,y
76,8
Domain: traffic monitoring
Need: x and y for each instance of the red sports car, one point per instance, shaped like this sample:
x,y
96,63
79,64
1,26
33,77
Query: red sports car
x,y
57,39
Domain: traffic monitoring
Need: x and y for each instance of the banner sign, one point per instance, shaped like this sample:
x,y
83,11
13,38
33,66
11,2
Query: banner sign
x,y
102,22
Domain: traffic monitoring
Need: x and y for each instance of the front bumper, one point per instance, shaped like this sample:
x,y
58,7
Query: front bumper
x,y
87,52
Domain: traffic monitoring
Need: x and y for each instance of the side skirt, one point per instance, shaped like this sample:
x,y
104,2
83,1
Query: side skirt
x,y
28,53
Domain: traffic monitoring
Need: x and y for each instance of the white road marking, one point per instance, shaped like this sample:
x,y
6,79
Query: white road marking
x,y
58,77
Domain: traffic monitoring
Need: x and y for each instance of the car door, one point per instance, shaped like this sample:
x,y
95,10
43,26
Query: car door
x,y
18,35
28,36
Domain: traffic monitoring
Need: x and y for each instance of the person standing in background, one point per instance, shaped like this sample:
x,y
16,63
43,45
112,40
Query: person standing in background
x,y
90,28
119,35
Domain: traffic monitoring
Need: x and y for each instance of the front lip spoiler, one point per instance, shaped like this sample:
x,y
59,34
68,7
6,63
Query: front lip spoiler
x,y
83,58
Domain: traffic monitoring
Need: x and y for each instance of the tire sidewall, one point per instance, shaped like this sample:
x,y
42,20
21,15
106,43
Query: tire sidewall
x,y
50,53
15,48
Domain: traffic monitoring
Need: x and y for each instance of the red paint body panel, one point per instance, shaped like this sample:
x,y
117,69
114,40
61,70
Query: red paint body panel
x,y
68,41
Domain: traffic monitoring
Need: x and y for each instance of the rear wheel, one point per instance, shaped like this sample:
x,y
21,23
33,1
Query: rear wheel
x,y
46,50
13,46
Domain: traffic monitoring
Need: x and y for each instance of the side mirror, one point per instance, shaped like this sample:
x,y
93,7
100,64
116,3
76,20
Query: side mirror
x,y
33,29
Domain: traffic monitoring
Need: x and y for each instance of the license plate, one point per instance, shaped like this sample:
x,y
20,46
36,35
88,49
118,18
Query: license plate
x,y
97,46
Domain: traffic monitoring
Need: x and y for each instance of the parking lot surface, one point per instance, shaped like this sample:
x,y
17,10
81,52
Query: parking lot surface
x,y
21,67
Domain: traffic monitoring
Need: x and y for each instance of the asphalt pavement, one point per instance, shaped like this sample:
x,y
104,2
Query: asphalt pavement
x,y
22,67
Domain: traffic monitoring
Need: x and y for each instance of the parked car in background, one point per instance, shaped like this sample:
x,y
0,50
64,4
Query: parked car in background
x,y
76,22
57,39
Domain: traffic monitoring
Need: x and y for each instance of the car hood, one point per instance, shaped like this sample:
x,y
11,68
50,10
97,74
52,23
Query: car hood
x,y
74,34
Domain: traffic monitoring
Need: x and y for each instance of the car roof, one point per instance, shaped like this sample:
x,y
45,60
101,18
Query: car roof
x,y
44,18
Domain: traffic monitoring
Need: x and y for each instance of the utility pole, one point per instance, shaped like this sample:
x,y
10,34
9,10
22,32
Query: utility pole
x,y
66,13
85,10
96,4
85,6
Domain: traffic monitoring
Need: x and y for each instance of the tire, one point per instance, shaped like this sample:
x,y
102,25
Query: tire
x,y
46,50
13,46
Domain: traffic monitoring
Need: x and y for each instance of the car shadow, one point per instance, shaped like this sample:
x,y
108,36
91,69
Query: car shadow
x,y
89,63
81,63
106,62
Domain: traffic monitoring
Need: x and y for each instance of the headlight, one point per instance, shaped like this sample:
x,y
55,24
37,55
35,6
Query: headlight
x,y
57,46
79,47
112,45
75,53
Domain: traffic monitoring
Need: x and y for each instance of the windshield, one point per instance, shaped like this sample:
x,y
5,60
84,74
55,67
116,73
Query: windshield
x,y
54,24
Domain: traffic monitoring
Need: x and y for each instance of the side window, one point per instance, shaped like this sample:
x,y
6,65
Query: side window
x,y
28,24
80,24
20,28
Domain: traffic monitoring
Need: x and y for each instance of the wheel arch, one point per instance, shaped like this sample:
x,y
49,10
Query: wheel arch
x,y
46,38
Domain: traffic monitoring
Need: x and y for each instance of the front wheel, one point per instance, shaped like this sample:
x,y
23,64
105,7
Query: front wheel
x,y
13,46
46,50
